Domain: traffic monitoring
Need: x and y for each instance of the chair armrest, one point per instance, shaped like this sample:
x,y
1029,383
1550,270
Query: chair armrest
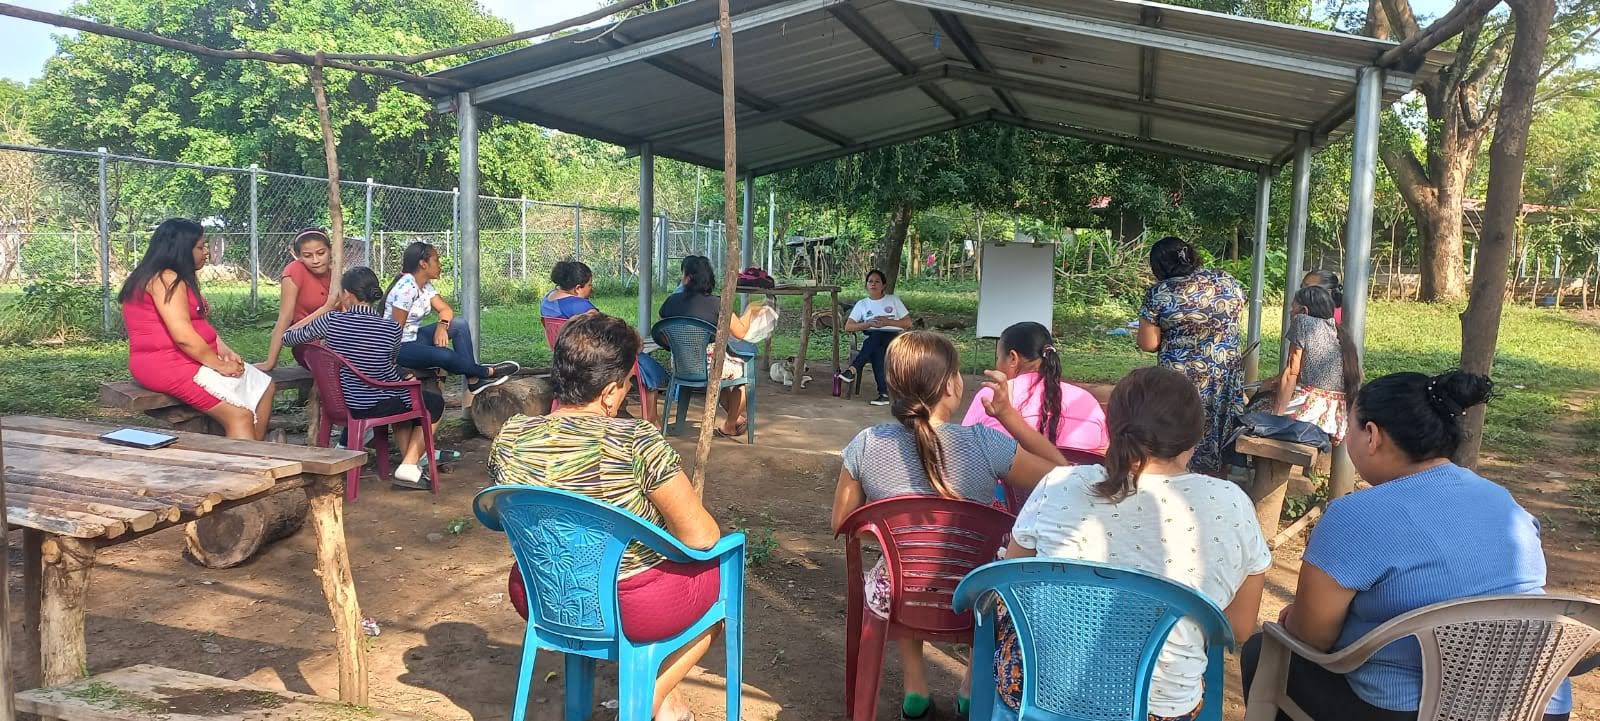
x,y
1342,661
666,545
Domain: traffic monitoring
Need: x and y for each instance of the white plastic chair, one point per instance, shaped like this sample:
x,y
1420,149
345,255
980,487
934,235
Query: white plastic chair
x,y
1490,658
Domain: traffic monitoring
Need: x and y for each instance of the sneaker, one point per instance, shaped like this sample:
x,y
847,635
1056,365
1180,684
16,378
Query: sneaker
x,y
505,369
880,401
409,475
484,384
848,375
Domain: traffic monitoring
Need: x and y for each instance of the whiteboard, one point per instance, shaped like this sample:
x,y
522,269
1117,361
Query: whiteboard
x,y
1018,285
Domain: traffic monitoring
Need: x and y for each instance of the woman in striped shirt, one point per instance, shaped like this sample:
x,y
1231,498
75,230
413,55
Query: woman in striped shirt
x,y
359,333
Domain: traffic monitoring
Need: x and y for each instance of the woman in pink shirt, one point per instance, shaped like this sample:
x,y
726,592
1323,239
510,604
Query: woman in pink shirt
x,y
1061,411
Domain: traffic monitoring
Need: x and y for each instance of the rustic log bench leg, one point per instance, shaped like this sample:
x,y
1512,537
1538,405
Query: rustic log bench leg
x,y
32,597
66,562
313,401
338,585
1268,487
805,340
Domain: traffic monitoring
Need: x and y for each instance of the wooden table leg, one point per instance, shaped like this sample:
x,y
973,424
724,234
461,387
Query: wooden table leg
x,y
805,339
65,563
833,310
32,585
313,415
1268,487
338,585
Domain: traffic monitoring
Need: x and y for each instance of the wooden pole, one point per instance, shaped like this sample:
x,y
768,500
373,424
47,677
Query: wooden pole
x,y
730,262
330,152
8,709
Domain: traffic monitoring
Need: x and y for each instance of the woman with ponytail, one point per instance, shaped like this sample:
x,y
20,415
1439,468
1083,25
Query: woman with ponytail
x,y
1428,531
925,453
1067,415
1322,366
1328,281
1143,509
359,333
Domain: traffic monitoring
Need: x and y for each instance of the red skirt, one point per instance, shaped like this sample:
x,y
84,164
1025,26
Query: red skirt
x,y
655,604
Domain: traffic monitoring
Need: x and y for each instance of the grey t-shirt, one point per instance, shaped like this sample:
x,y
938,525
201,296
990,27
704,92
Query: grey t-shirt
x,y
883,459
1322,365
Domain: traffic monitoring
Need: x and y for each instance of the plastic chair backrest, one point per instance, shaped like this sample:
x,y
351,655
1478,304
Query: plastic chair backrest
x,y
687,338
1090,634
1494,657
552,329
325,366
929,544
569,547
1083,458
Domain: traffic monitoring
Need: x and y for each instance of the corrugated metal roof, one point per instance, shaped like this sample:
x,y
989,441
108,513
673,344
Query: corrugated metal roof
x,y
823,78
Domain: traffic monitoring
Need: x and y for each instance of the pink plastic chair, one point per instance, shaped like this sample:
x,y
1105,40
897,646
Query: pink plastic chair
x,y
929,544
325,365
647,397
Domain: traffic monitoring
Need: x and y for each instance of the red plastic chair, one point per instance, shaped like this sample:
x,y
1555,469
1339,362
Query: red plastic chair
x,y
325,365
929,544
647,397
1005,498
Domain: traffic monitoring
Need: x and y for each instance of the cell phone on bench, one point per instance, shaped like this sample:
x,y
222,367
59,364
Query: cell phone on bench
x,y
137,438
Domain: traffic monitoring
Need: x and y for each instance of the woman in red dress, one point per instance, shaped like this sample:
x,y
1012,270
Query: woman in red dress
x,y
169,338
304,289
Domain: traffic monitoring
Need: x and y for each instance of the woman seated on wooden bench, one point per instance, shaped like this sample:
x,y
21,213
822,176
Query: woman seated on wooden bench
x,y
172,347
410,299
371,342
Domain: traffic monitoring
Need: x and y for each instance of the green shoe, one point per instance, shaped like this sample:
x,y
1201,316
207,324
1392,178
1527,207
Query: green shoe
x,y
915,706
963,706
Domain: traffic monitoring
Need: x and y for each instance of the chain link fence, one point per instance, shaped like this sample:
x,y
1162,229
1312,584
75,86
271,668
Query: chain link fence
x,y
84,216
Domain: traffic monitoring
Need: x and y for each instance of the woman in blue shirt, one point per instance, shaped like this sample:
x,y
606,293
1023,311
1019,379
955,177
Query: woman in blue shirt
x,y
1427,531
574,284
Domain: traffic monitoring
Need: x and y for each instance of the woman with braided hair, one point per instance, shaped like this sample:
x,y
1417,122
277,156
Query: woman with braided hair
x,y
926,453
1067,415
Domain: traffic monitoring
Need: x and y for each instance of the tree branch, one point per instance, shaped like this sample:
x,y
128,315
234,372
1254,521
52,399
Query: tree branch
x,y
1571,54
604,12
281,57
1414,49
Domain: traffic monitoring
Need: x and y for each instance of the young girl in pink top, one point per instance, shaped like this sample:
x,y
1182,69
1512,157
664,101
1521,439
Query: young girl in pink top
x,y
1063,412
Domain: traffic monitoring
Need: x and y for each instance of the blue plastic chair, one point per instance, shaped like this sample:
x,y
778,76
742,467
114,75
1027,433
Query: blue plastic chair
x,y
569,547
1089,634
687,338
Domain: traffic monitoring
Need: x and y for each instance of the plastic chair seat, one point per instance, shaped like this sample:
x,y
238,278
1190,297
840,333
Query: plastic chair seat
x,y
569,548
325,366
929,543
687,339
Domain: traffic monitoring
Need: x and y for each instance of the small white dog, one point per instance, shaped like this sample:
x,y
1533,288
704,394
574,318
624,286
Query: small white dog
x,y
783,372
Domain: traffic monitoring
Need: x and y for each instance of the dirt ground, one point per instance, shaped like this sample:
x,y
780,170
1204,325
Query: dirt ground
x,y
450,643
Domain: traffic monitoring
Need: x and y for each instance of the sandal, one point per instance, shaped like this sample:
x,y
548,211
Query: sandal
x,y
720,434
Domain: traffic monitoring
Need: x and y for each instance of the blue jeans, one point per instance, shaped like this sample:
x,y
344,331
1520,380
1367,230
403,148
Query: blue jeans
x,y
457,359
874,350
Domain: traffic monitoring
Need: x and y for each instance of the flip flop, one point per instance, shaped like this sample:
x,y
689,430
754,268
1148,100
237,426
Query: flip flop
x,y
718,433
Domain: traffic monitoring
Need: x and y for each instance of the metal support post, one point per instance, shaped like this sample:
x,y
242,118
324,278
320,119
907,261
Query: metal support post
x,y
366,227
1258,274
1299,212
772,213
647,214
577,232
255,235
453,241
467,191
1358,241
522,226
105,249
747,236
663,238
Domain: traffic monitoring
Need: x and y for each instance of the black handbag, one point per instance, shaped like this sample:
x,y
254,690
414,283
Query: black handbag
x,y
1262,424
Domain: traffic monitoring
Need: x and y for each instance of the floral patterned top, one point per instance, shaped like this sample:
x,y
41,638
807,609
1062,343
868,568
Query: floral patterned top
x,y
1198,315
616,460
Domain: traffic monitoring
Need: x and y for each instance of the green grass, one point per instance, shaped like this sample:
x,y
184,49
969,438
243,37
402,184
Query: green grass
x,y
1544,356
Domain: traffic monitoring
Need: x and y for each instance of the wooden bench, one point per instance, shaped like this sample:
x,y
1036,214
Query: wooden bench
x,y
149,693
1269,482
130,396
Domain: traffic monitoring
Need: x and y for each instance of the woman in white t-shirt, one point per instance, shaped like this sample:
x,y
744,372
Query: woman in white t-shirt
x,y
1145,510
879,318
445,344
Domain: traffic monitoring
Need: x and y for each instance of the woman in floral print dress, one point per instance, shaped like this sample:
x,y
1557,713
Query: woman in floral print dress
x,y
1190,319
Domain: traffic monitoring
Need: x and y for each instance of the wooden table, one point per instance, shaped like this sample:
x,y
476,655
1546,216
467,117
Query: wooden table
x,y
808,295
73,494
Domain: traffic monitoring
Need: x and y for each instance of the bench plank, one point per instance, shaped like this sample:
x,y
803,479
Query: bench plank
x,y
321,461
130,396
1294,454
149,693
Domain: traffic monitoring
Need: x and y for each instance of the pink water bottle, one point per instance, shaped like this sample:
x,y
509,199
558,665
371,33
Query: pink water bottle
x,y
838,386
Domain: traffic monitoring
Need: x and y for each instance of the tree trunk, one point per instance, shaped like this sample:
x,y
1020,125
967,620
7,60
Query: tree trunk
x,y
1442,272
1480,324
892,251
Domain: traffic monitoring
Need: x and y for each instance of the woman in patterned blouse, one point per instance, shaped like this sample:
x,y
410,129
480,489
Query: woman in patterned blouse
x,y
1190,319
585,448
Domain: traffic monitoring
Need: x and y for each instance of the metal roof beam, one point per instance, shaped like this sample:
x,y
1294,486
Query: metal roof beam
x,y
951,25
752,119
648,49
862,28
1148,146
1161,39
881,141
687,72
1149,16
1197,116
